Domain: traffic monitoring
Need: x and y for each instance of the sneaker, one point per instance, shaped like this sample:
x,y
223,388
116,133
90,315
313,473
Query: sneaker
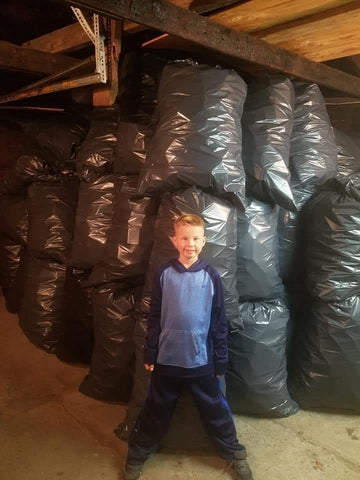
x,y
132,472
240,466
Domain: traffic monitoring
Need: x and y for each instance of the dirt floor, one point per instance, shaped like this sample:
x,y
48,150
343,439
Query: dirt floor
x,y
49,431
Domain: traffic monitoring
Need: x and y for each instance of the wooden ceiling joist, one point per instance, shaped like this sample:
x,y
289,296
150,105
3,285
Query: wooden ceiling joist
x,y
322,33
69,38
15,58
72,37
257,15
169,18
325,36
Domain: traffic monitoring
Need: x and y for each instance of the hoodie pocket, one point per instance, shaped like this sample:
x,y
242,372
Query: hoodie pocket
x,y
181,348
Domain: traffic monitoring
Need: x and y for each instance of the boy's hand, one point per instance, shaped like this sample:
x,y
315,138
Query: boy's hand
x,y
149,367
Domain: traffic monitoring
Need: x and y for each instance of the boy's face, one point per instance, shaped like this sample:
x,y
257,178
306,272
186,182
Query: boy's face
x,y
189,241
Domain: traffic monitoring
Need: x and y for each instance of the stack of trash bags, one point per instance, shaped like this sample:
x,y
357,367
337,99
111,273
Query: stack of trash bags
x,y
194,163
90,222
313,160
256,377
113,236
44,175
326,368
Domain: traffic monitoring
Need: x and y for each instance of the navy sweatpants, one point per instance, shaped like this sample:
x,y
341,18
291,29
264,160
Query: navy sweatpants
x,y
159,407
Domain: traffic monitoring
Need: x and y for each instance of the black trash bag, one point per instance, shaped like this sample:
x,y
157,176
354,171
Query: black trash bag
x,y
333,240
111,371
138,85
12,273
93,220
258,276
267,125
256,378
13,143
51,209
198,137
326,368
132,145
78,341
14,217
130,237
30,167
348,152
313,148
98,152
45,304
61,134
141,376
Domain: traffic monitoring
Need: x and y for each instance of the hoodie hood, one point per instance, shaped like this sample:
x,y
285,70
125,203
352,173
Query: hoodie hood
x,y
195,267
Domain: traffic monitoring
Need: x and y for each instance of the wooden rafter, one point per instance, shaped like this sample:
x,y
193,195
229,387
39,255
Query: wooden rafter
x,y
72,37
165,17
319,35
325,36
260,14
13,57
69,38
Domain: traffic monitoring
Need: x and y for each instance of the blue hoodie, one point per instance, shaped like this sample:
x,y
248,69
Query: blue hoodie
x,y
187,327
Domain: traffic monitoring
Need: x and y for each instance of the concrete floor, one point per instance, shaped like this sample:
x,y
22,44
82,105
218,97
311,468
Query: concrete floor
x,y
49,431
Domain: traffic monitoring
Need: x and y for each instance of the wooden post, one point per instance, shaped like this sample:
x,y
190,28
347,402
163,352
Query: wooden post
x,y
105,96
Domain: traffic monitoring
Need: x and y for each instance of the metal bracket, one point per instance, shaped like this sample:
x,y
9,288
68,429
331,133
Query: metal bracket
x,y
96,38
100,76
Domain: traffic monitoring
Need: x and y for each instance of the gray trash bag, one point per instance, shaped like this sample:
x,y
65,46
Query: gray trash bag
x,y
129,240
14,217
12,273
313,148
333,240
267,125
51,210
348,152
256,377
97,153
111,371
257,275
132,145
326,368
93,220
220,252
290,231
198,137
45,305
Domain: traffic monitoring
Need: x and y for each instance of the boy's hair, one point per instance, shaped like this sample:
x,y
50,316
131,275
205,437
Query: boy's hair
x,y
189,219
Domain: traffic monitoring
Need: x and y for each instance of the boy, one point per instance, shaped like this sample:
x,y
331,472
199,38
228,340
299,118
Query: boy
x,y
186,346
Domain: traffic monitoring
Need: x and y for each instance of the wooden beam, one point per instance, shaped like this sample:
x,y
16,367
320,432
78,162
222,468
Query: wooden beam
x,y
326,36
72,37
13,57
105,96
260,14
165,17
